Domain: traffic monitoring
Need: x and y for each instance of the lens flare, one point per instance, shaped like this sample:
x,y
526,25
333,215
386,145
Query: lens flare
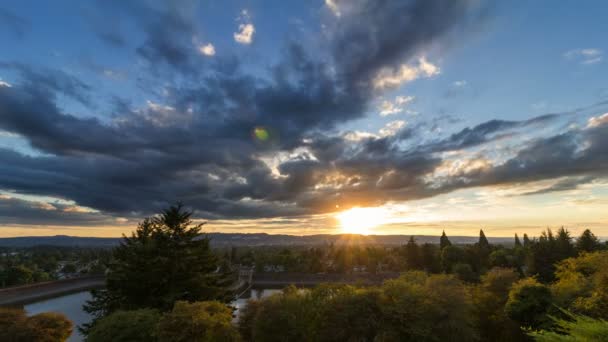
x,y
261,133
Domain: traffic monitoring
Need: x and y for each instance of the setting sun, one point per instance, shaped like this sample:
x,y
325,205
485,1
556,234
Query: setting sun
x,y
361,220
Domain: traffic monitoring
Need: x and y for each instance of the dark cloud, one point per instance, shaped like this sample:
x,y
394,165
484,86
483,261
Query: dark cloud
x,y
26,212
197,145
569,183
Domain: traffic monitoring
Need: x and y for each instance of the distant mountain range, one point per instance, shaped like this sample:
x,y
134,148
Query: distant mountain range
x,y
256,239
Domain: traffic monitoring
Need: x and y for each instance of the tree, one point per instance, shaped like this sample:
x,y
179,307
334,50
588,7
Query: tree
x,y
444,241
582,284
429,257
489,298
526,241
588,242
483,241
517,242
421,307
15,326
563,245
464,272
165,260
126,326
528,304
18,275
351,315
412,255
197,322
574,328
450,256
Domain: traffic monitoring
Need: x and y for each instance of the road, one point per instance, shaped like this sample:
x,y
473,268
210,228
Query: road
x,y
34,292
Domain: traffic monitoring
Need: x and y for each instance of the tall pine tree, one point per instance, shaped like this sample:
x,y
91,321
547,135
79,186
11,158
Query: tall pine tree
x,y
517,242
165,260
483,241
444,241
412,255
526,240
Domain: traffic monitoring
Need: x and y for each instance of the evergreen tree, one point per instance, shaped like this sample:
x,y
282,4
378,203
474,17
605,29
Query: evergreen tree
x,y
563,245
483,241
412,255
517,242
444,241
429,256
526,240
588,242
165,260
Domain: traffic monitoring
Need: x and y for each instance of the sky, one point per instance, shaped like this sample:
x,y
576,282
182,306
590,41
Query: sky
x,y
304,117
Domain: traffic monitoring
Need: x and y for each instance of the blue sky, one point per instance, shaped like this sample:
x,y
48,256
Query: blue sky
x,y
422,103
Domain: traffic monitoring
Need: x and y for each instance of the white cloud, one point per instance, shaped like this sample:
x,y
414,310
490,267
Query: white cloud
x,y
246,29
394,107
392,128
460,83
4,84
597,121
358,135
391,78
333,7
585,56
245,34
207,49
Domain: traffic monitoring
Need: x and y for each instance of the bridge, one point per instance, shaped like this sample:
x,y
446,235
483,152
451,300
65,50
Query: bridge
x,y
50,289
246,280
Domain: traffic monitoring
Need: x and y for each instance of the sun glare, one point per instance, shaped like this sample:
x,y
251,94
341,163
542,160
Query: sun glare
x,y
361,220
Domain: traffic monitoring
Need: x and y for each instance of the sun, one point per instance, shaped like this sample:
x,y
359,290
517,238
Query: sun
x,y
361,220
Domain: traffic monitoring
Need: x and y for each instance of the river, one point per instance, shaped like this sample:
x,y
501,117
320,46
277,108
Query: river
x,y
71,306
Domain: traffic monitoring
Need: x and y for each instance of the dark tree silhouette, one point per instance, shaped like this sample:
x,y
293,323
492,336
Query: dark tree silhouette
x,y
517,242
165,260
483,241
444,241
588,242
527,241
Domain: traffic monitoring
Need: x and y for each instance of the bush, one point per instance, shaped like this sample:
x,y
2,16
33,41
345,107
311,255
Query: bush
x,y
528,304
197,322
574,328
15,326
125,326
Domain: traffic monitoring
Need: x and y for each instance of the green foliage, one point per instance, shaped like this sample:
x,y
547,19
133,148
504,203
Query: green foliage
x,y
545,253
414,307
574,328
588,242
412,255
125,326
18,275
15,326
450,256
165,260
582,284
528,304
464,272
197,322
421,307
489,299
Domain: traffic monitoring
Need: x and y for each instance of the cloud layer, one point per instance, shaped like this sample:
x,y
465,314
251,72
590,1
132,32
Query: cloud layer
x,y
235,144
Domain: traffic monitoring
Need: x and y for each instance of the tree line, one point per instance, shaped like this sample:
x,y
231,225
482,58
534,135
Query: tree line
x,y
164,283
